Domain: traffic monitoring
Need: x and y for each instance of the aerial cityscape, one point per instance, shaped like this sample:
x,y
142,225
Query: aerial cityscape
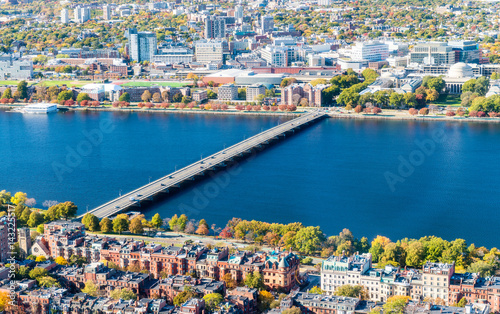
x,y
268,156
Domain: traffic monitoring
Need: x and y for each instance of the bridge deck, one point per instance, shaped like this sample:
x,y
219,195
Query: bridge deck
x,y
174,179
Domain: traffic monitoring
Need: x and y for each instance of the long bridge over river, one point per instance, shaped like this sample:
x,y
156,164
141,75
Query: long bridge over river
x,y
199,168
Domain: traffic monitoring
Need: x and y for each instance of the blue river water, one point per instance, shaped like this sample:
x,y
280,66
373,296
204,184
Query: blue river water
x,y
394,178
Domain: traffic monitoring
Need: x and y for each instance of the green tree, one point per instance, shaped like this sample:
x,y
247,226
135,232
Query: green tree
x,y
396,100
38,272
436,83
319,81
82,96
410,100
177,97
212,301
182,221
173,222
91,222
7,94
469,86
211,94
106,225
47,282
91,289
65,95
483,268
415,254
482,85
25,216
242,93
254,280
120,223
308,240
156,221
184,296
395,304
22,90
369,74
351,291
316,290
462,302
35,219
67,210
123,293
124,97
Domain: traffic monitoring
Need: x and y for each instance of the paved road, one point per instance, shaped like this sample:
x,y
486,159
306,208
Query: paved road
x,y
174,179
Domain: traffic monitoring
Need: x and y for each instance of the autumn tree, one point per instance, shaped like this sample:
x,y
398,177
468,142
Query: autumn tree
x,y
230,282
106,225
203,228
136,225
61,261
264,300
146,96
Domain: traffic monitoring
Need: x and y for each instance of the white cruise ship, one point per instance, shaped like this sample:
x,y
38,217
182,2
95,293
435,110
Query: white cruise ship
x,y
40,108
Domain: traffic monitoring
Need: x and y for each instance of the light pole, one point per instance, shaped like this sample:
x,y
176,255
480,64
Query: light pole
x,y
149,179
120,193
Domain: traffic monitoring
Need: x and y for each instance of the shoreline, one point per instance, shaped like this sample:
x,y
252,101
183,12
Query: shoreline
x,y
397,115
410,118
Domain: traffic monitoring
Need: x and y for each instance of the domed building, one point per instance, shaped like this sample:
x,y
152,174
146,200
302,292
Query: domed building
x,y
458,74
460,70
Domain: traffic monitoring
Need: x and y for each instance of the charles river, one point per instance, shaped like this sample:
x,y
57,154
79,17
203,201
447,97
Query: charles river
x,y
394,178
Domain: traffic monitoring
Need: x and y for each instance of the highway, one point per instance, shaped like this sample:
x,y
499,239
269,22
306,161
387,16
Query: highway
x,y
148,191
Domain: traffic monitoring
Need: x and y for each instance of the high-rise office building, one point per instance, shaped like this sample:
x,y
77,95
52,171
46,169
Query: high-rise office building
x,y
238,12
106,12
142,45
215,27
267,24
64,16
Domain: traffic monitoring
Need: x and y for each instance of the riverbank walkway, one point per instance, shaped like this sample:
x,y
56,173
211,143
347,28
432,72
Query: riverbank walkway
x,y
217,160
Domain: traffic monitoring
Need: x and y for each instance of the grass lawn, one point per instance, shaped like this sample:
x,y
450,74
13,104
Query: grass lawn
x,y
148,84
448,100
9,83
69,83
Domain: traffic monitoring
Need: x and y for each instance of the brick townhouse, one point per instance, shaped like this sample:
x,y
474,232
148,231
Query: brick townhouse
x,y
475,289
107,278
63,238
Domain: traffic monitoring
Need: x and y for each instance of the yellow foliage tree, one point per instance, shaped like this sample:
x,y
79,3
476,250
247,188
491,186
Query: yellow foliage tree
x,y
19,198
61,261
40,259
